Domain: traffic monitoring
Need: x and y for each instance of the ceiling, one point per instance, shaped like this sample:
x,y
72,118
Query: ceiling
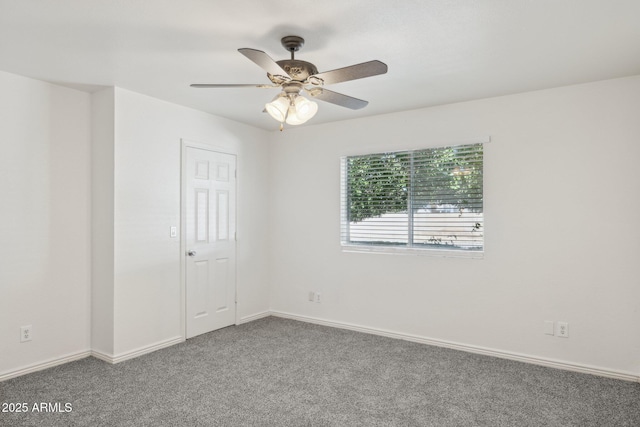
x,y
438,51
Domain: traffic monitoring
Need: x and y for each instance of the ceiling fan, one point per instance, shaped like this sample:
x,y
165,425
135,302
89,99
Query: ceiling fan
x,y
295,76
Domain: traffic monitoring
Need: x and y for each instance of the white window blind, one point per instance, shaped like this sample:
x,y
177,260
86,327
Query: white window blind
x,y
429,199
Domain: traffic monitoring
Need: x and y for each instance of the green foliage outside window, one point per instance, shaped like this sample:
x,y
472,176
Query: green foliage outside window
x,y
384,183
377,185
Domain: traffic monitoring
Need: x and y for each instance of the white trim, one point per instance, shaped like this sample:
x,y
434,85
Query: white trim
x,y
252,317
137,352
183,246
551,363
391,250
207,147
438,143
102,356
44,365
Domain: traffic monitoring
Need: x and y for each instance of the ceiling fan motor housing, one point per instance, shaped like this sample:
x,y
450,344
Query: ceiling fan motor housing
x,y
297,70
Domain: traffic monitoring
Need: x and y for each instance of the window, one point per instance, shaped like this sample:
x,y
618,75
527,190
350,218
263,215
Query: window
x,y
428,199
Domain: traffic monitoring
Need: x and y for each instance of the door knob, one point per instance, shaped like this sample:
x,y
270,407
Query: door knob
x,y
191,253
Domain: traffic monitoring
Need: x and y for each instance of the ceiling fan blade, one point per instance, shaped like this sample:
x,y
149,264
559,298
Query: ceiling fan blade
x,y
358,71
263,60
206,85
337,98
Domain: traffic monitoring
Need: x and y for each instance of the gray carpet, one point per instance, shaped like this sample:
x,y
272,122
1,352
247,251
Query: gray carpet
x,y
277,372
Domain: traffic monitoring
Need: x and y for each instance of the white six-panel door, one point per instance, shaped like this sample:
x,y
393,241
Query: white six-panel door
x,y
210,226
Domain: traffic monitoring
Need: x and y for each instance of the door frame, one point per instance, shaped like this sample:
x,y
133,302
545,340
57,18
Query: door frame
x,y
184,145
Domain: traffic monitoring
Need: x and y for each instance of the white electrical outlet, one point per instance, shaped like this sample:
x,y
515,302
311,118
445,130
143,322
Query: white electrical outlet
x,y
318,297
562,329
25,333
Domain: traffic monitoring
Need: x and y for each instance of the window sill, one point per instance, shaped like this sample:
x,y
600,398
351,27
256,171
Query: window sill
x,y
446,253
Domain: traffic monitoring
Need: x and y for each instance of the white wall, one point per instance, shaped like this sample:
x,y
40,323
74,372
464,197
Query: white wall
x,y
148,135
44,221
562,237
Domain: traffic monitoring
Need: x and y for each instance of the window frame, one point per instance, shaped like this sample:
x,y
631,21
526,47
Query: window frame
x,y
347,246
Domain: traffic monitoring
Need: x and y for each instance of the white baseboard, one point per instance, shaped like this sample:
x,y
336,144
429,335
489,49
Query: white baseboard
x,y
251,318
113,359
551,363
626,376
45,365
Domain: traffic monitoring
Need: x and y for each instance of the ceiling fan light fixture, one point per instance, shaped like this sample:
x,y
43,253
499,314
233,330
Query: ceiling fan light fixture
x,y
305,109
292,117
301,110
291,108
278,107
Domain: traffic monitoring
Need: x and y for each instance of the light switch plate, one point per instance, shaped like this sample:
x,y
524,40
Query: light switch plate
x,y
173,232
549,327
